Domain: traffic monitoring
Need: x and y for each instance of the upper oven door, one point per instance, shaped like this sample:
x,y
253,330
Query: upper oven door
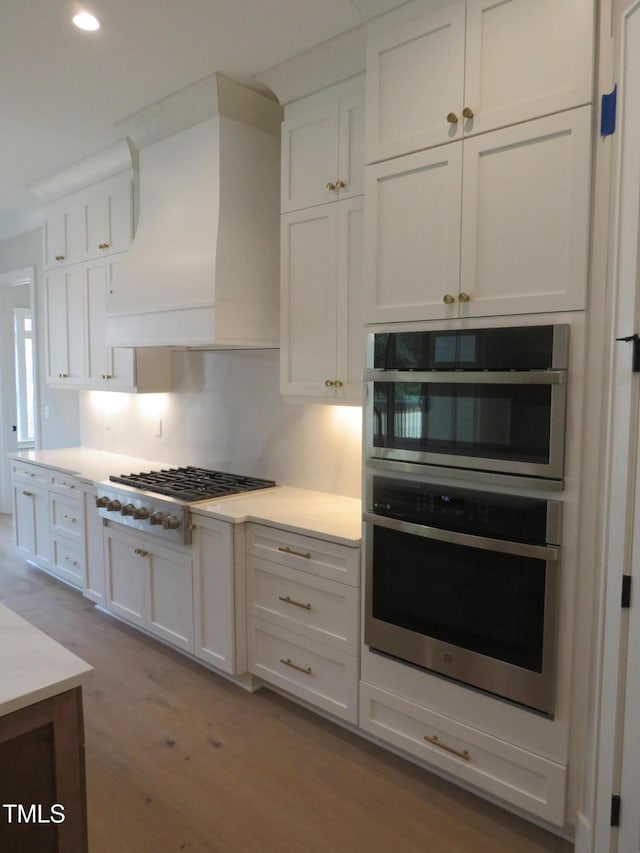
x,y
500,421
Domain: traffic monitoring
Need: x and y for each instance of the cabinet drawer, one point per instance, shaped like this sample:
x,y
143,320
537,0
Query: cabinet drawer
x,y
319,675
322,610
68,560
62,483
27,473
66,516
520,777
315,556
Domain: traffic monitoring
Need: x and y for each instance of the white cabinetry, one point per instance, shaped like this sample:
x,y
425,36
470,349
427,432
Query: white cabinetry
x,y
150,585
322,245
65,326
511,237
303,617
31,511
220,624
323,149
471,67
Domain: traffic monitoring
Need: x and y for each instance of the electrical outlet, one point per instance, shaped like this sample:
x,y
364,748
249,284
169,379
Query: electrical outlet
x,y
158,427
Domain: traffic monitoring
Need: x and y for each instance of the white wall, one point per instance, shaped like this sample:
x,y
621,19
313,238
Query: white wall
x,y
62,428
225,412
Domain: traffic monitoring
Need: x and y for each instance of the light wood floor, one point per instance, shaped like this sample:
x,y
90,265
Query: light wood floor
x,y
179,759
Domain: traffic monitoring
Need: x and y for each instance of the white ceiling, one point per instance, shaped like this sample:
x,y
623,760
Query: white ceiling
x,y
63,90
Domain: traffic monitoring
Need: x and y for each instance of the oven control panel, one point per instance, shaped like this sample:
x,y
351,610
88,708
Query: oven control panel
x,y
146,512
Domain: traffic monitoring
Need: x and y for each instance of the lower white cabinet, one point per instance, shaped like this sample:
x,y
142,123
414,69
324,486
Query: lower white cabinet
x,y
31,521
149,584
303,607
499,768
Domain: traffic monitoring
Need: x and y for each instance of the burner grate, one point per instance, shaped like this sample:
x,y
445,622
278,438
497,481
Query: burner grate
x,y
191,484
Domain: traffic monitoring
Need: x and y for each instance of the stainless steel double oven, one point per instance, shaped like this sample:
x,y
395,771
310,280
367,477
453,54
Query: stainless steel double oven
x,y
464,441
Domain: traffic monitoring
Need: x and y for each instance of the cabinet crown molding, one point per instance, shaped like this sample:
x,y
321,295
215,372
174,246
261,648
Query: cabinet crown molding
x,y
104,164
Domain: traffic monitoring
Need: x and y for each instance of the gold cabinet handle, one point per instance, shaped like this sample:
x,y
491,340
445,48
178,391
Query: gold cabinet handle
x,y
69,560
464,297
63,375
288,550
330,186
452,118
448,299
287,662
141,553
28,494
70,518
340,185
59,257
106,376
288,600
104,245
467,112
338,383
460,753
329,383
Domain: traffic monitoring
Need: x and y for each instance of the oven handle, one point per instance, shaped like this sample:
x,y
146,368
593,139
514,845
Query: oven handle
x,y
519,549
470,377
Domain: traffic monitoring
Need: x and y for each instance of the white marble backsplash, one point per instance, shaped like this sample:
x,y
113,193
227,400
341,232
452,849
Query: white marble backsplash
x,y
226,412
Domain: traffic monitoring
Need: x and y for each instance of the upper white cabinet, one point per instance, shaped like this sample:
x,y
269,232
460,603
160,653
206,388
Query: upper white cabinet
x,y
436,76
90,222
509,238
323,149
65,326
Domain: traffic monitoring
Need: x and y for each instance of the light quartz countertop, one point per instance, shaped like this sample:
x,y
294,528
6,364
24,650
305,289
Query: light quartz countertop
x,y
33,667
299,510
311,513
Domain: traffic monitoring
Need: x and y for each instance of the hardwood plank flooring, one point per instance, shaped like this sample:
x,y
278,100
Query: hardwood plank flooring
x,y
179,759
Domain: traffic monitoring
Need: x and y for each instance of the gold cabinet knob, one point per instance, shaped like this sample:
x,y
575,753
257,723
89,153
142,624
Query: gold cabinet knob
x,y
338,383
330,186
448,299
464,297
452,118
340,185
329,383
59,257
62,375
467,112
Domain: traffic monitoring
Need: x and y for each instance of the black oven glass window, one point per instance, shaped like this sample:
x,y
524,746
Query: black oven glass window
x,y
484,601
500,421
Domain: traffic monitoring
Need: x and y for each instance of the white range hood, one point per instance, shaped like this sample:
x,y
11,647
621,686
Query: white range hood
x,y
203,269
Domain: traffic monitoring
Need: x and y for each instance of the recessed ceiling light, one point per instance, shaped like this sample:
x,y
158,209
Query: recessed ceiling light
x,y
86,21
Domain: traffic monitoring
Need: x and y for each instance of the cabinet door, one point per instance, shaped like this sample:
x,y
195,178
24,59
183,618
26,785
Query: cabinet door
x,y
170,597
65,326
65,232
310,158
350,314
125,567
351,146
308,301
415,79
525,217
31,522
110,216
526,60
213,583
412,240
55,235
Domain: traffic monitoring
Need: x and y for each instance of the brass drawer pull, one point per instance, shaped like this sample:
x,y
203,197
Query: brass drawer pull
x,y
288,550
69,560
460,753
287,662
288,600
28,494
141,552
70,518
59,257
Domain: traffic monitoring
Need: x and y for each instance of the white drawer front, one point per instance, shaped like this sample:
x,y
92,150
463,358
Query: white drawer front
x,y
66,516
26,473
63,483
520,777
321,676
68,562
316,556
321,610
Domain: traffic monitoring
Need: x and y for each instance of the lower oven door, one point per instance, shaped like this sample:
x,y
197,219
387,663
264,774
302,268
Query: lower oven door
x,y
478,610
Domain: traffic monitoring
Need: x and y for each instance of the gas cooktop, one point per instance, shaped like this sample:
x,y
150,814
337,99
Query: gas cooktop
x,y
192,484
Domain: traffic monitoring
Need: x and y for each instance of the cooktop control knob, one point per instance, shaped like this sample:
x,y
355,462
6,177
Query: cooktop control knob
x,y
141,512
102,501
170,523
156,518
128,509
114,505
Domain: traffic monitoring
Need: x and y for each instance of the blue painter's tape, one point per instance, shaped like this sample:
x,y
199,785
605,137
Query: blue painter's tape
x,y
608,113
